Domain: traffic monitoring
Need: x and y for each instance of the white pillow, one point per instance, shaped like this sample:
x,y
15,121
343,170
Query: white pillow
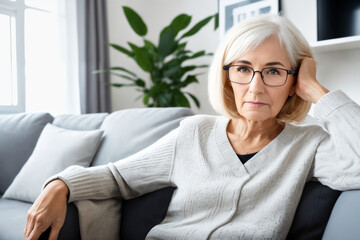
x,y
55,150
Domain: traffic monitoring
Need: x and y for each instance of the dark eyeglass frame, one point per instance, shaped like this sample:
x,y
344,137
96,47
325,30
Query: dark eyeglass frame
x,y
292,72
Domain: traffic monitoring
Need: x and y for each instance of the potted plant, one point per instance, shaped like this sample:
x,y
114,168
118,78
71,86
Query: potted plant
x,y
164,62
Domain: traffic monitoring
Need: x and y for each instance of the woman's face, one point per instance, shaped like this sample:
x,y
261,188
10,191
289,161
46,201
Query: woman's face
x,y
256,101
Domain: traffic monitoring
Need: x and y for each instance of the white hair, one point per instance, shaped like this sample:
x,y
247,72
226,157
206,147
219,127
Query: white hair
x,y
246,36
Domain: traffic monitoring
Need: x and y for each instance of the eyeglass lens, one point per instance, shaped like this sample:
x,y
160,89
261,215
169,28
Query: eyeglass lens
x,y
271,76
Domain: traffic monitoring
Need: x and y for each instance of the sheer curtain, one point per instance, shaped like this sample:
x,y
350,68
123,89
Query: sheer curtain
x,y
93,36
51,57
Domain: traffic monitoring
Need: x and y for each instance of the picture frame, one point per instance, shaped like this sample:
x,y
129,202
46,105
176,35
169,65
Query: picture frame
x,y
232,12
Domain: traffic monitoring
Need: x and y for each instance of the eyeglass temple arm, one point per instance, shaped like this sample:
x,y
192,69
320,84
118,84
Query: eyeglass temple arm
x,y
226,67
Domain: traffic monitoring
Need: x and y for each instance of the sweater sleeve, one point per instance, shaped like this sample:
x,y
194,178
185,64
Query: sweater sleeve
x,y
143,172
337,159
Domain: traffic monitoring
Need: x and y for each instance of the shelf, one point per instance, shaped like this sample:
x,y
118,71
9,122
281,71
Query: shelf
x,y
337,44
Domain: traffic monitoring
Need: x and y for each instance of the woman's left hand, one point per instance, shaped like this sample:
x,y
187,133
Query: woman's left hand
x,y
307,87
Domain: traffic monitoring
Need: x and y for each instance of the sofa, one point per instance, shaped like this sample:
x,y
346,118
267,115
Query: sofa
x,y
24,148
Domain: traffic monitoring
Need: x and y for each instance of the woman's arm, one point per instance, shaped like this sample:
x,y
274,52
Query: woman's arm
x,y
143,172
49,209
337,160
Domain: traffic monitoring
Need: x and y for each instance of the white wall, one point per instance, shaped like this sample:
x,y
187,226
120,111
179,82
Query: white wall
x,y
336,70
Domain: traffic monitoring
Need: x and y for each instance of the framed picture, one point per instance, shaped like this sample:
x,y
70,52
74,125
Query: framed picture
x,y
232,12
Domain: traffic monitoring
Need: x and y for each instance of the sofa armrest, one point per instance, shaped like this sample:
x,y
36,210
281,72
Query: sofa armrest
x,y
344,222
71,229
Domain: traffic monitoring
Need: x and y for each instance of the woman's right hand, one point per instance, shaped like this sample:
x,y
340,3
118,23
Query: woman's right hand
x,y
49,209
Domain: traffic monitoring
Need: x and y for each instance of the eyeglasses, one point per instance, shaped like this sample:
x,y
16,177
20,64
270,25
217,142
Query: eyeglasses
x,y
271,76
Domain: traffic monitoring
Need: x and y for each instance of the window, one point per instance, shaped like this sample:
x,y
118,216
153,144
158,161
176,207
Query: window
x,y
38,60
11,88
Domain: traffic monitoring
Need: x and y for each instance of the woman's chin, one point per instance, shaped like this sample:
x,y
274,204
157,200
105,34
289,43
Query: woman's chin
x,y
257,116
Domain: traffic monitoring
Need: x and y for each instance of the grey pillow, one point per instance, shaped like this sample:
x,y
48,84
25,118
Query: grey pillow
x,y
56,149
18,136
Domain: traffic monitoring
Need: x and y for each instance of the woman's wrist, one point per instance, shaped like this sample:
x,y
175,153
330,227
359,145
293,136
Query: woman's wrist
x,y
318,92
59,187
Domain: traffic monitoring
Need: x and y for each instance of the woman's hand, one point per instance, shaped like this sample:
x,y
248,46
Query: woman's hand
x,y
49,209
307,87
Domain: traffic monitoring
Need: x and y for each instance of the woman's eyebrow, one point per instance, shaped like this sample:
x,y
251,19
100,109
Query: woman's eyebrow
x,y
267,64
274,63
243,61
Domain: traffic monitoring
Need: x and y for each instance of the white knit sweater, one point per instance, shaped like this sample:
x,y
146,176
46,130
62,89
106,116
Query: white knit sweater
x,y
216,196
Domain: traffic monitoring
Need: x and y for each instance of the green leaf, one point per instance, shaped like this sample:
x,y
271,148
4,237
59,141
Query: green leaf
x,y
181,100
216,16
158,88
196,101
180,22
167,43
123,76
149,45
146,99
122,49
135,21
121,85
139,82
164,100
189,79
198,54
141,58
171,71
115,69
197,27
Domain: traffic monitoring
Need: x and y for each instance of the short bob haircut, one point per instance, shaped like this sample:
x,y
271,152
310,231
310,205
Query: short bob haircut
x,y
246,36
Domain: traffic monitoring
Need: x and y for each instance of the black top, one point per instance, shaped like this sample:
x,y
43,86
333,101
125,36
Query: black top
x,y
245,157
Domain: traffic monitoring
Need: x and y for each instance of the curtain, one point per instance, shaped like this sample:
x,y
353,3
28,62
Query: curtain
x,y
94,55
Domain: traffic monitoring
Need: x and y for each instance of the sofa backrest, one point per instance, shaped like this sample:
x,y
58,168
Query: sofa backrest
x,y
18,136
128,131
83,122
125,133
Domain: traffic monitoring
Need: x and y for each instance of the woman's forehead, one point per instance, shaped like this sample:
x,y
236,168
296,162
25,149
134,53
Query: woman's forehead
x,y
267,52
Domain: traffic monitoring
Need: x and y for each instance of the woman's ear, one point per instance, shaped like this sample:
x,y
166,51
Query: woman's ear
x,y
292,91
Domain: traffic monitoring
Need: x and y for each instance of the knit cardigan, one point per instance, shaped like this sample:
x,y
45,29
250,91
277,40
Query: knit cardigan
x,y
216,196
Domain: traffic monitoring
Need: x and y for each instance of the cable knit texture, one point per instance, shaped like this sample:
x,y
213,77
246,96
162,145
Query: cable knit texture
x,y
218,197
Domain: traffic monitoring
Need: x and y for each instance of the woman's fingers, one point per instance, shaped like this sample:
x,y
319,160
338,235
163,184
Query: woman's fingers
x,y
54,232
49,209
307,87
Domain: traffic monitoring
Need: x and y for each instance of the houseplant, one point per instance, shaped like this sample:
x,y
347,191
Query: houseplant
x,y
164,62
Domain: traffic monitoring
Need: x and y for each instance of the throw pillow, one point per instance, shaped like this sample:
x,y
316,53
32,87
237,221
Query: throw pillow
x,y
313,212
141,214
55,150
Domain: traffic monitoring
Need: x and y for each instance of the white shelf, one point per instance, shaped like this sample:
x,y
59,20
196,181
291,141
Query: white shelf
x,y
337,44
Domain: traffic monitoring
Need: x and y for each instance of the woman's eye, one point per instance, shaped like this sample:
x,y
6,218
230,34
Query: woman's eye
x,y
273,71
243,69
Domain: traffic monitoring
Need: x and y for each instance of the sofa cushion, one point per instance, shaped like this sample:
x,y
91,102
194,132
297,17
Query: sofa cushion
x,y
128,131
91,121
56,149
141,214
313,211
344,222
13,220
18,136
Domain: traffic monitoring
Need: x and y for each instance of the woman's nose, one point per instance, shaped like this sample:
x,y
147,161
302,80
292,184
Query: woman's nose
x,y
257,85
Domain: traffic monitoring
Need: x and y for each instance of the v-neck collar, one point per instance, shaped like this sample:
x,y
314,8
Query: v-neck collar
x,y
229,155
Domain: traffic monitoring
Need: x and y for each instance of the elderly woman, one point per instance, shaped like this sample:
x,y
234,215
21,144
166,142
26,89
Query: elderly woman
x,y
240,175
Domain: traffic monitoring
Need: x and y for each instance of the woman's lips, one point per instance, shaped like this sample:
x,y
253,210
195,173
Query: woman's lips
x,y
255,104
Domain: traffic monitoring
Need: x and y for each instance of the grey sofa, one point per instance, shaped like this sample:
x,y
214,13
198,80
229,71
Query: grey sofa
x,y
125,132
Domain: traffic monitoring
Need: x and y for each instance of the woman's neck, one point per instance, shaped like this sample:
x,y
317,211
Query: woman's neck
x,y
251,136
